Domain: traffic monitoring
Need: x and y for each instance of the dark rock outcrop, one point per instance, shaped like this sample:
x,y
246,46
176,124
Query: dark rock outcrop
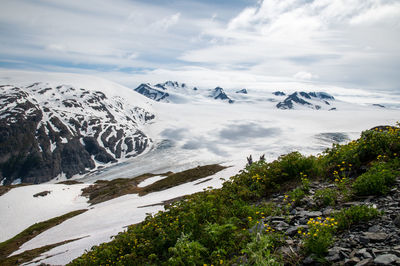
x,y
243,91
279,93
152,93
219,94
304,99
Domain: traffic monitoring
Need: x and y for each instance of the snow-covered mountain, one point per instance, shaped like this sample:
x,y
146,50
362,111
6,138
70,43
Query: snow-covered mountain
x,y
175,92
219,94
313,100
49,129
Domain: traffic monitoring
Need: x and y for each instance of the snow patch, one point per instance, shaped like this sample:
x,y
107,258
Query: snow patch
x,y
151,180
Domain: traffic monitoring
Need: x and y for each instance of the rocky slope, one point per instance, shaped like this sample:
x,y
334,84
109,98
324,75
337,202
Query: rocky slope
x,y
47,130
372,243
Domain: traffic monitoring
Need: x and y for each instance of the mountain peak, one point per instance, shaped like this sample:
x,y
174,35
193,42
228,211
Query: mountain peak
x,y
219,93
314,100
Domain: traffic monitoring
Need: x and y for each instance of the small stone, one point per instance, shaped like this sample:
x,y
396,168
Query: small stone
x,y
309,260
352,203
333,258
365,262
312,214
327,211
386,259
396,221
280,223
364,240
333,251
374,229
375,237
285,250
364,253
292,231
277,218
352,261
289,242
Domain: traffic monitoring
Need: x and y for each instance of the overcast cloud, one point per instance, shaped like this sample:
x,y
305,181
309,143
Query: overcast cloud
x,y
348,43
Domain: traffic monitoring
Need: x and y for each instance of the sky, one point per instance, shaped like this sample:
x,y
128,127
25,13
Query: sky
x,y
234,43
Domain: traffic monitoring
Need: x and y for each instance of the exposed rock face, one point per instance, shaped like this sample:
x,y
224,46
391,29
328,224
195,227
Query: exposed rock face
x,y
243,91
279,93
47,130
153,93
175,92
219,94
314,100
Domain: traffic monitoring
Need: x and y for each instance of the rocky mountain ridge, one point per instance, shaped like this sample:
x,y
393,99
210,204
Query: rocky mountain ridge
x,y
62,130
173,91
313,100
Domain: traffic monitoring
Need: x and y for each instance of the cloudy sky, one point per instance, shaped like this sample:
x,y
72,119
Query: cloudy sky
x,y
347,43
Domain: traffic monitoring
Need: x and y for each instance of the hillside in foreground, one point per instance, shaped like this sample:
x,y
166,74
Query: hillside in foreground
x,y
340,207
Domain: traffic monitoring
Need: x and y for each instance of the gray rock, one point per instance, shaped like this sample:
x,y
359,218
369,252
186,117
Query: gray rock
x,y
376,237
364,262
363,253
311,214
352,261
333,258
327,211
374,229
292,231
308,261
396,221
386,259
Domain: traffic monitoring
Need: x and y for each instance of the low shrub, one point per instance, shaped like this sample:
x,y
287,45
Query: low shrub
x,y
260,251
376,181
319,235
355,215
186,252
325,197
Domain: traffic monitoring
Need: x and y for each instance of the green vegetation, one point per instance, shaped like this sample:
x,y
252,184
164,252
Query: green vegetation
x,y
377,180
228,225
355,215
259,250
326,197
104,190
11,245
319,235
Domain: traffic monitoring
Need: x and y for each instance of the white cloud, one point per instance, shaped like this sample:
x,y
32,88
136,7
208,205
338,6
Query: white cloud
x,y
167,22
389,13
352,43
302,75
327,37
